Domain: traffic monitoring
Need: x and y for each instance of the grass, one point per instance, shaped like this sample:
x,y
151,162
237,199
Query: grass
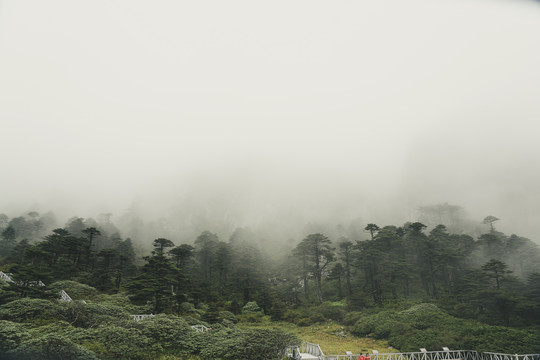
x,y
333,338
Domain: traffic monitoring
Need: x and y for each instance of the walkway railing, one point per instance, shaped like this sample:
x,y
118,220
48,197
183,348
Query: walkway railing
x,y
429,355
315,349
141,317
200,328
293,352
64,296
495,356
5,277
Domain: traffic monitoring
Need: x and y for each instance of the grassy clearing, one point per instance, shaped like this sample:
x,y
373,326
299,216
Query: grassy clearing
x,y
333,338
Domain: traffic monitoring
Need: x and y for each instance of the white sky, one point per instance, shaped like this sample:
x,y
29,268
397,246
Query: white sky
x,y
363,106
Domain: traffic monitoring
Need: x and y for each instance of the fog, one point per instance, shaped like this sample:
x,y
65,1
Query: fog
x,y
284,117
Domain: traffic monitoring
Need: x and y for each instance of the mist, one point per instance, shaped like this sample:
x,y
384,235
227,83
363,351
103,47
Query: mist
x,y
281,117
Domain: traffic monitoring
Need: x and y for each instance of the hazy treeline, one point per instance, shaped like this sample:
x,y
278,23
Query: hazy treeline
x,y
493,277
463,272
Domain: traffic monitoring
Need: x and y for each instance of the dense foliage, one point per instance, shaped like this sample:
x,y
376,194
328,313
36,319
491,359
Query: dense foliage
x,y
425,325
415,285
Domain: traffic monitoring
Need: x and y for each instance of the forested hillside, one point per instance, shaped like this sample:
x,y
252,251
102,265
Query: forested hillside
x,y
414,285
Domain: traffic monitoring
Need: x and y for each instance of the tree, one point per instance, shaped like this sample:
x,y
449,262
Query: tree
x,y
319,250
125,248
336,273
181,255
8,234
496,270
4,219
490,219
22,227
345,252
155,283
426,255
75,226
8,240
493,245
161,243
111,266
301,251
247,278
16,254
373,229
56,243
91,233
206,244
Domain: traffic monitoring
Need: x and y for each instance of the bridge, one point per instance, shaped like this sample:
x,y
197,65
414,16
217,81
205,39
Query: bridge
x,y
310,351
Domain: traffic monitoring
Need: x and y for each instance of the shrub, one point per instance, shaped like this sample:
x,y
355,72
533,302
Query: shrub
x,y
193,321
351,318
75,290
90,315
247,344
252,308
11,335
171,333
330,311
425,325
51,347
291,316
252,318
25,309
304,322
227,315
115,342
188,309
317,318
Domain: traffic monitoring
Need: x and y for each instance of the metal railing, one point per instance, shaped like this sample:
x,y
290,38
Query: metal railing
x,y
437,355
496,356
430,355
200,328
5,277
64,296
313,349
293,352
141,317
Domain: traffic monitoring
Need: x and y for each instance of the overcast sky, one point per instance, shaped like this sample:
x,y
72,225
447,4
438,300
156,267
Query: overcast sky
x,y
350,108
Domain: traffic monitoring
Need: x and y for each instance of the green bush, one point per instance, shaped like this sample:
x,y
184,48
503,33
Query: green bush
x,y
291,316
427,326
227,315
246,344
424,316
193,321
252,308
351,318
317,318
51,347
304,322
115,342
91,315
27,309
171,333
252,318
11,335
75,290
186,308
330,311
